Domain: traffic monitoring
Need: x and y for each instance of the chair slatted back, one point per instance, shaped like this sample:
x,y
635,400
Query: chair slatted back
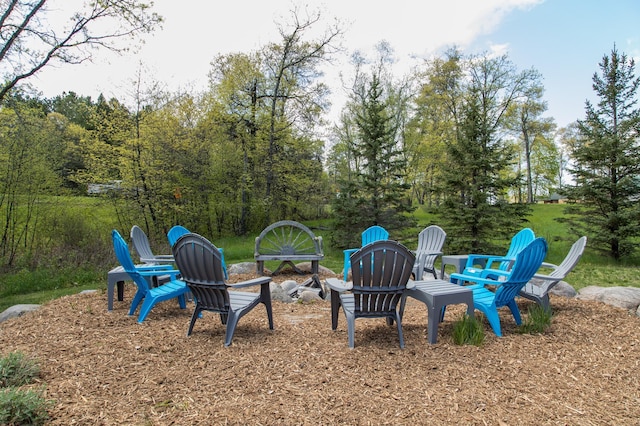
x,y
176,232
430,240
380,272
374,233
527,263
200,265
141,243
571,260
124,257
518,243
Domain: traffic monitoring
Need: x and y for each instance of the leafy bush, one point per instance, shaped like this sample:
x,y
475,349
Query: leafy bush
x,y
468,330
538,319
18,406
23,407
16,369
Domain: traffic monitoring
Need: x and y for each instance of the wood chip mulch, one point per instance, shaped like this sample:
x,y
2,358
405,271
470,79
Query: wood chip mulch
x,y
103,368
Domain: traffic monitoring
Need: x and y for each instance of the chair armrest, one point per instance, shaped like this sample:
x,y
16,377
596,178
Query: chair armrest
x,y
546,277
172,272
471,259
349,252
164,258
338,285
484,273
251,282
141,268
460,278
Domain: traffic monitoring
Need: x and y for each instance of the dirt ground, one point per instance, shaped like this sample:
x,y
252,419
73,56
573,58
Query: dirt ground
x,y
103,368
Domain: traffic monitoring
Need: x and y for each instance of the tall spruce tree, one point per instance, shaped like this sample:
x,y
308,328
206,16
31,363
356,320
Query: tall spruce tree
x,y
606,158
375,193
476,212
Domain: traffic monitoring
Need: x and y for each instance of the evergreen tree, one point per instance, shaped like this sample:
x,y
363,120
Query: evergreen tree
x,y
478,172
606,159
376,192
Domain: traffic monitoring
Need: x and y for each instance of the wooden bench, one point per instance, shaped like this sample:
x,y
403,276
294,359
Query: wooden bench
x,y
288,241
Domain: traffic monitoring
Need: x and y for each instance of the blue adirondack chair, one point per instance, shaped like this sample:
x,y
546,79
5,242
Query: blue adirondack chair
x,y
146,294
371,234
508,285
178,231
503,263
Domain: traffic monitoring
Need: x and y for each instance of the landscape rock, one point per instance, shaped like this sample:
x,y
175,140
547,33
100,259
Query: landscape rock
x,y
622,297
309,296
278,293
288,286
564,289
17,311
241,268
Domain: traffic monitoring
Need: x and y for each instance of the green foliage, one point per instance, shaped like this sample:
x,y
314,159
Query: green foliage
x,y
537,320
30,281
19,406
23,407
468,331
16,369
375,190
606,155
478,173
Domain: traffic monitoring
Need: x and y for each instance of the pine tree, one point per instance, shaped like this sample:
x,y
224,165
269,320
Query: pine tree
x,y
606,158
376,192
478,173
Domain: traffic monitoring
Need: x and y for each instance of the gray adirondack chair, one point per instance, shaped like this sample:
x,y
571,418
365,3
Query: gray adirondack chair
x,y
141,245
200,266
430,242
380,272
538,288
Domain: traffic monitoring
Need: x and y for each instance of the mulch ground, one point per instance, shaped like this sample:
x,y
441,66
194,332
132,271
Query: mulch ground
x,y
103,368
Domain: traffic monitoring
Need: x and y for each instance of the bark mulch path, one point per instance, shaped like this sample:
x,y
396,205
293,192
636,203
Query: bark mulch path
x,y
103,368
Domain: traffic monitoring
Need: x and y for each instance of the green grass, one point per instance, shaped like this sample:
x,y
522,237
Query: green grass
x,y
43,285
468,331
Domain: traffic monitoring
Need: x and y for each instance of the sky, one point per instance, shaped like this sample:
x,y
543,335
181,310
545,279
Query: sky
x,y
563,39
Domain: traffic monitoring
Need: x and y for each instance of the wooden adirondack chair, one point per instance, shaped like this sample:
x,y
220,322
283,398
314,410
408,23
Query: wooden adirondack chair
x,y
369,235
538,288
200,265
380,272
508,285
430,242
146,294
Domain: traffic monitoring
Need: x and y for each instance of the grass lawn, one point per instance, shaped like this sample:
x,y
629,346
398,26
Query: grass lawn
x,y
593,269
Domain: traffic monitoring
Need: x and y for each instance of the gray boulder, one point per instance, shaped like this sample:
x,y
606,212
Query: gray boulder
x,y
621,297
564,289
17,311
242,268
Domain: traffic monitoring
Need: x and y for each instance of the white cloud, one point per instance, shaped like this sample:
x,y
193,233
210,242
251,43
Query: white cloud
x,y
195,31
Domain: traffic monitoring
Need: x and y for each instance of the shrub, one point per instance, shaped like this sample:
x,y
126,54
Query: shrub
x,y
23,407
16,370
538,319
468,330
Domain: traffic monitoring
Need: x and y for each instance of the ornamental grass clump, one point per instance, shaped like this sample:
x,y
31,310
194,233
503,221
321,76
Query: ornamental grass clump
x,y
538,319
468,331
20,406
16,369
